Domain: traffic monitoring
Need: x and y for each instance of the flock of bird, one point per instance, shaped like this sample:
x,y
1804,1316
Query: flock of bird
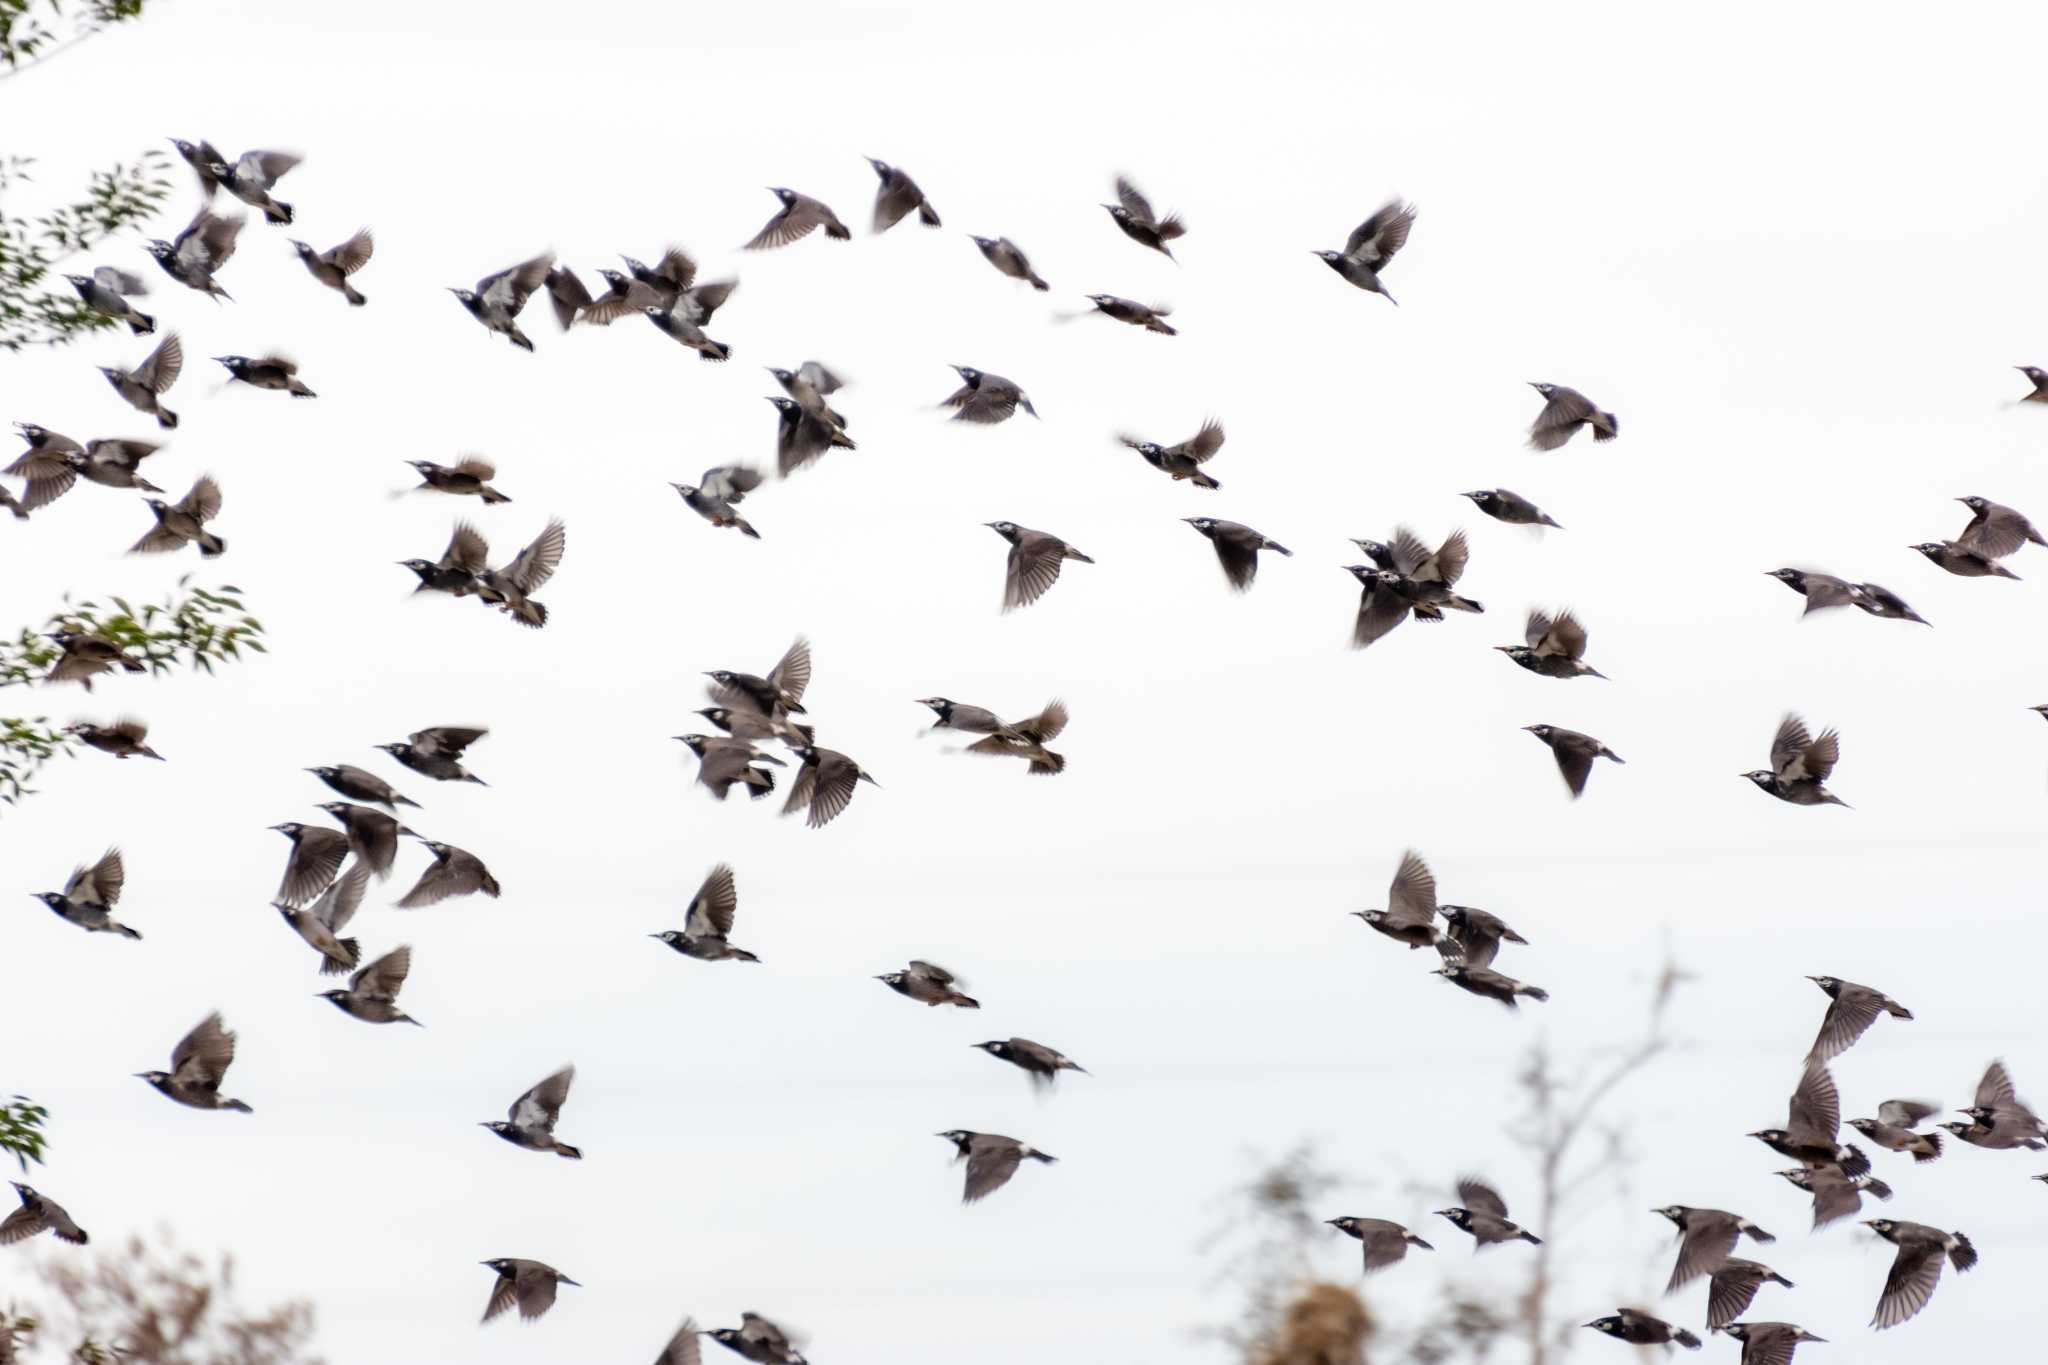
x,y
329,870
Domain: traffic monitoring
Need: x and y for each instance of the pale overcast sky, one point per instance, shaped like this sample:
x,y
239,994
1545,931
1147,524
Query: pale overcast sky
x,y
1797,250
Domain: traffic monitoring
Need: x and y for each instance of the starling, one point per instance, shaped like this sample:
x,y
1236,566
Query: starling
x,y
2002,1134
1512,508
320,924
372,835
1706,1237
498,299
708,923
1769,1343
1638,1328
1800,765
986,398
824,786
1835,1196
1237,549
801,437
2038,377
1041,1063
568,296
530,1284
795,220
1474,935
39,1213
316,857
1961,560
1564,412
86,655
1917,1268
714,495
530,1122
1994,530
198,1063
969,720
1484,1214
202,157
896,196
929,984
112,463
185,523
1732,1288
123,739
1034,563
1812,1127
280,374
781,693
1151,316
1380,606
372,994
106,292
1133,215
471,477
1876,600
456,571
809,385
669,281
333,266
758,1340
454,872
1410,916
1574,753
1854,1010
251,177
722,762
1027,738
1372,245
2000,1108
743,722
679,326
195,254
623,294
90,894
1383,1242
1423,579
511,588
1895,1128
1484,981
1006,256
1183,461
1553,647
142,387
435,752
991,1160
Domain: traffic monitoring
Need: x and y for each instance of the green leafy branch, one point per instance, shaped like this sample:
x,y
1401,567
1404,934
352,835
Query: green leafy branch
x,y
32,312
21,1130
31,30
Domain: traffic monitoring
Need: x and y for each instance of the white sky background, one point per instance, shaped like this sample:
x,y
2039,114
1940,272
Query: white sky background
x,y
1796,252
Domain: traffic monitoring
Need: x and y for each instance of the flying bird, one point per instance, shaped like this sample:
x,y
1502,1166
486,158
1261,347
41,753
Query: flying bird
x,y
39,1213
1574,753
1041,1063
1372,245
315,859
1916,1270
1995,530
1185,460
1553,647
275,372
1853,1010
143,387
1800,765
436,752
184,523
1564,412
1410,916
1150,316
1638,1328
90,894
991,1160
986,398
1961,560
722,488
125,738
824,785
469,477
372,994
106,291
1835,1196
199,251
721,762
1706,1239
896,196
1134,216
796,219
1034,562
528,1284
1812,1127
251,177
1896,1128
1237,549
1490,984
1484,1214
2038,377
454,872
372,834
1732,1287
1512,508
1769,1343
1474,935
198,1063
320,924
1009,258
333,266
707,925
511,588
759,1340
929,984
1382,1242
499,298
530,1122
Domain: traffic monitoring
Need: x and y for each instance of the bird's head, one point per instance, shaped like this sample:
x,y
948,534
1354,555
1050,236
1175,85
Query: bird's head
x,y
786,406
1973,502
993,1049
1333,257
1342,1224
393,749
787,196
1799,1176
2033,372
687,490
784,377
154,1077
1364,573
1675,1212
1461,1217
468,297
1485,497
1791,578
1006,529
1543,732
502,1266
1610,1325
423,466
1545,389
671,937
959,1137
968,373
185,149
1451,971
338,809
1118,212
985,243
1826,983
1206,525
1763,777
1980,1113
1931,548
80,282
290,829
335,996
233,362
113,373
1867,1127
1768,1135
53,899
695,743
1103,300
499,1126
304,251
1374,917
1519,653
893,978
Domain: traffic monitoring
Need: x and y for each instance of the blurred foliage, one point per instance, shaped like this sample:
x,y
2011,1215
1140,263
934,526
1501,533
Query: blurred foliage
x,y
193,627
34,309
154,1304
32,30
21,1130
1289,1317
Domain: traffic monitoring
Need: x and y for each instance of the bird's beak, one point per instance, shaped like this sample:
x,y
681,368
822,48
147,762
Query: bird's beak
x,y
1754,1135
451,289
1530,728
140,1075
1869,1222
1332,1222
1813,978
991,525
566,1280
1504,649
881,978
1533,384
